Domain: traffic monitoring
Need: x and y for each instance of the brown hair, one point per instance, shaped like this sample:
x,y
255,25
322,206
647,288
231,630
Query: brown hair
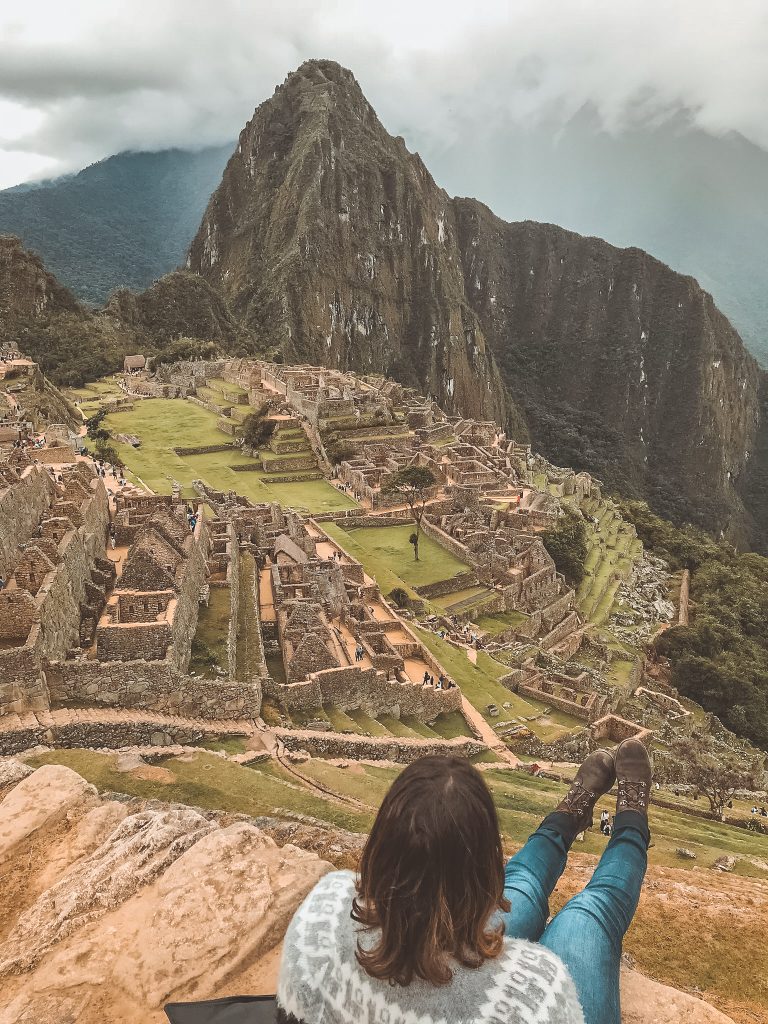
x,y
431,875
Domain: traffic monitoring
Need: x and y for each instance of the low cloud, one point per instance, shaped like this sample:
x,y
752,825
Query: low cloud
x,y
87,79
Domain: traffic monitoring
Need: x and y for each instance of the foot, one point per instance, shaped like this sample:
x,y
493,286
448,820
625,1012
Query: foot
x,y
633,776
593,779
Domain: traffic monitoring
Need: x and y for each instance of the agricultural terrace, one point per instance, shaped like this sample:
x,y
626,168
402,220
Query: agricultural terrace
x,y
164,424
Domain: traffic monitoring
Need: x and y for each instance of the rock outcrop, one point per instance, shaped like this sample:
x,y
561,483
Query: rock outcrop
x,y
336,246
109,911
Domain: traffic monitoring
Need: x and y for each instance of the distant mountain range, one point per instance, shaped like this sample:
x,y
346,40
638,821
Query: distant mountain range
x,y
123,222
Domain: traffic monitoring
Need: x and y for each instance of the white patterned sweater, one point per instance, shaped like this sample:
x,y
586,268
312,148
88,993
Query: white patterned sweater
x,y
321,982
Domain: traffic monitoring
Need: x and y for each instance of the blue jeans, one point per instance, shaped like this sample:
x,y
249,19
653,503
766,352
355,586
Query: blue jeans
x,y
588,932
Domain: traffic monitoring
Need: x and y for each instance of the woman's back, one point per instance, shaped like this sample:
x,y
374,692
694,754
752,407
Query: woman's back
x,y
322,982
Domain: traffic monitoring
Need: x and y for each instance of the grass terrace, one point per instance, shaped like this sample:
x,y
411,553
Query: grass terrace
x,y
163,424
384,548
522,800
497,622
479,684
612,550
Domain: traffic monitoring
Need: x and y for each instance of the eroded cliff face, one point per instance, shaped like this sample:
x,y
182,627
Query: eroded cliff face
x,y
336,246
622,366
27,289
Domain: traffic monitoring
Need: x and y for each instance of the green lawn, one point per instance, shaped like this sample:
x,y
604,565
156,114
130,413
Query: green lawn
x,y
522,801
386,549
214,783
479,684
163,424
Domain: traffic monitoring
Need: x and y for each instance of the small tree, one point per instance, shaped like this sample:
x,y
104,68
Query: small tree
x,y
108,453
413,484
716,773
257,430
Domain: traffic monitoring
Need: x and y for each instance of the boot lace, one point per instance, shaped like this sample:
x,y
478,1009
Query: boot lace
x,y
633,795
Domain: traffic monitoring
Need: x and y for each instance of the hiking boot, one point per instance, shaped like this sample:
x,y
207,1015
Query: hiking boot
x,y
633,776
593,779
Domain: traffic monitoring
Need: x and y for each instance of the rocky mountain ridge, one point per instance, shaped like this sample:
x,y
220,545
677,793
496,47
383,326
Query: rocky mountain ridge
x,y
335,245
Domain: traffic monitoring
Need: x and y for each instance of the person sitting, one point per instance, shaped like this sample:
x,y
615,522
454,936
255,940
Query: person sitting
x,y
434,927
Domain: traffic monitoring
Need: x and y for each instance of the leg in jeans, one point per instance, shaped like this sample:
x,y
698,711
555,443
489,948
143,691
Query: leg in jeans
x,y
532,874
588,932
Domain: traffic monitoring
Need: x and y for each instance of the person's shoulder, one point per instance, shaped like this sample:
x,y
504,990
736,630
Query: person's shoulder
x,y
330,895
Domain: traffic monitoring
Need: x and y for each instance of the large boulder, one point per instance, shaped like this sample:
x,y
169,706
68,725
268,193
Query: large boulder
x,y
125,908
647,1002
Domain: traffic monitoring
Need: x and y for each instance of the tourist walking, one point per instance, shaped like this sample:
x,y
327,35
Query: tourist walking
x,y
434,927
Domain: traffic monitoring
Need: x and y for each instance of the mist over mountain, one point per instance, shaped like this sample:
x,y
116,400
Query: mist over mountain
x,y
122,222
697,201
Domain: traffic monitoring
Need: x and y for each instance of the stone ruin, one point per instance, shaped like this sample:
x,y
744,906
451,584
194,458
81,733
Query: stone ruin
x,y
338,640
54,573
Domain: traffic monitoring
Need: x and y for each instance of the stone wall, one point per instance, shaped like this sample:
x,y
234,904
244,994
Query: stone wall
x,y
55,456
233,580
350,688
553,700
188,606
22,686
21,508
123,641
364,748
113,734
208,449
65,589
148,685
561,630
289,464
445,540
450,586
616,729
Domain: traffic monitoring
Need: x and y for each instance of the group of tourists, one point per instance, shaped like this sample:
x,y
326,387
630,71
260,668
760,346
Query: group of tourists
x,y
759,810
359,652
606,825
443,683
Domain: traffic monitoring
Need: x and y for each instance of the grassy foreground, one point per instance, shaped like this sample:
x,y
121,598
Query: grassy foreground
x,y
695,929
521,800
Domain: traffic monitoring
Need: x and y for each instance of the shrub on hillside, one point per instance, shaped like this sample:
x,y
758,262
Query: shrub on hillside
x,y
566,542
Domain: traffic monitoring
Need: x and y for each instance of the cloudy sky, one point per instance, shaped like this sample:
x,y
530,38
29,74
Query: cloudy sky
x,y
83,79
